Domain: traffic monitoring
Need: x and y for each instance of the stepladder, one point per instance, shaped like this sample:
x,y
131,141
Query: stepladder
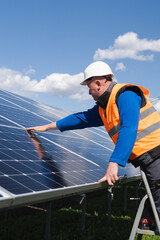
x,y
136,229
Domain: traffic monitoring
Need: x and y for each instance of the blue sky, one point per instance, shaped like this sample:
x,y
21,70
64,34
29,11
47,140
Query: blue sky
x,y
46,44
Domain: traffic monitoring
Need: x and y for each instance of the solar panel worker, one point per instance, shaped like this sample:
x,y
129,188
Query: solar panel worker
x,y
130,119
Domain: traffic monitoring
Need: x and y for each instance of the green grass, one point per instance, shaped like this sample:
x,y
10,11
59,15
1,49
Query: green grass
x,y
66,221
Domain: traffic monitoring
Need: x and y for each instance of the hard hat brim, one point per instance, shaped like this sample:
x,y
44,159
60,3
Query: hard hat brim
x,y
84,82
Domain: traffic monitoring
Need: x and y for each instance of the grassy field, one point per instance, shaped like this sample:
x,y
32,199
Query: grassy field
x,y
28,224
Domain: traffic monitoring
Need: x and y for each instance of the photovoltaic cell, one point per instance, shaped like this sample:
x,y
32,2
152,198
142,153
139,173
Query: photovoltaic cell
x,y
34,166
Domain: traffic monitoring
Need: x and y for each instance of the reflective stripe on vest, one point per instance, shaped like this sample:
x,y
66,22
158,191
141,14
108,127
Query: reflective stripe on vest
x,y
148,130
114,130
148,135
143,133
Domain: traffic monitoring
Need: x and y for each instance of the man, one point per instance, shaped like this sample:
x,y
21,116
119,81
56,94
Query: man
x,y
129,118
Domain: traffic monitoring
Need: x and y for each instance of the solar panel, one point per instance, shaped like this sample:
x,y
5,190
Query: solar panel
x,y
47,165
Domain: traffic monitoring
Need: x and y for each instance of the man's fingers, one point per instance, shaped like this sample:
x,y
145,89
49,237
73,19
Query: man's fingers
x,y
116,178
109,180
104,179
36,129
29,129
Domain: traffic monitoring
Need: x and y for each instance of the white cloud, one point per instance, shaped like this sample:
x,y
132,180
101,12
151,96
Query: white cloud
x,y
12,80
129,46
59,84
56,84
83,95
30,71
120,66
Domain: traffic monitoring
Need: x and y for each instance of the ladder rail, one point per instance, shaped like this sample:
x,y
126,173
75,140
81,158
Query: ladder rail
x,y
135,228
151,200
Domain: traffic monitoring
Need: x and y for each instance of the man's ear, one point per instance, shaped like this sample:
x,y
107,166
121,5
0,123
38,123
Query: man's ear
x,y
98,83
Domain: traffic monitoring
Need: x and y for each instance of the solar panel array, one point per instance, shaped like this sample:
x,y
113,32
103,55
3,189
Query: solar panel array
x,y
47,165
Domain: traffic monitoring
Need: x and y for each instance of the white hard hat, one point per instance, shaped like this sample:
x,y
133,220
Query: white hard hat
x,y
96,69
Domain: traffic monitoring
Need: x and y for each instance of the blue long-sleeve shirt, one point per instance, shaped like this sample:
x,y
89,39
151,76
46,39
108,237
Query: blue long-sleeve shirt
x,y
129,104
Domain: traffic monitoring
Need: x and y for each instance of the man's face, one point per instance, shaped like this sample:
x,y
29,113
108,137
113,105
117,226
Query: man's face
x,y
94,88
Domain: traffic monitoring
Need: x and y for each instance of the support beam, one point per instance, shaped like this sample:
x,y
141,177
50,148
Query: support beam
x,y
110,198
125,200
83,203
48,221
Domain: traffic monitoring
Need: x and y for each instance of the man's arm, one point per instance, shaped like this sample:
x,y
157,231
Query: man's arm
x,y
89,118
129,107
80,120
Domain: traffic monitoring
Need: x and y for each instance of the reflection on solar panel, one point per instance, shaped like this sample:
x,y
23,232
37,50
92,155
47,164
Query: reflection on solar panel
x,y
47,165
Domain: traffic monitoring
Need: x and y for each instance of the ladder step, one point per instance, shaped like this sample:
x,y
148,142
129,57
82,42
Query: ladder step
x,y
145,231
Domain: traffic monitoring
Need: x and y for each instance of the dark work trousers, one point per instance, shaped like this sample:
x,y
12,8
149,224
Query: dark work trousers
x,y
152,172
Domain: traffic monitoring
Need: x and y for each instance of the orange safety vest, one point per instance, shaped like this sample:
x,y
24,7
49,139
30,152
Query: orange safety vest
x,y
148,135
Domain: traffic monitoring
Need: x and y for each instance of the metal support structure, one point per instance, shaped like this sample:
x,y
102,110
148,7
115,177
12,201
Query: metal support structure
x,y
81,199
135,228
83,203
48,221
110,198
125,200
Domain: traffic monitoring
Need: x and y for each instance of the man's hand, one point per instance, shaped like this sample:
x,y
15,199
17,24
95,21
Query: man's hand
x,y
43,128
38,128
111,174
